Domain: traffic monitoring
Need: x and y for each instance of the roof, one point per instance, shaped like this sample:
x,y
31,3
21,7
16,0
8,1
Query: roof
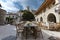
x,y
2,10
11,14
44,5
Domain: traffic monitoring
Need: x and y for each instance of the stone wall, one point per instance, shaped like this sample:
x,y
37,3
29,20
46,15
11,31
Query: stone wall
x,y
2,16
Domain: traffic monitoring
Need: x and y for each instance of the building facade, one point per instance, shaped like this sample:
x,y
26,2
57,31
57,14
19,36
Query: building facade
x,y
2,16
11,18
49,12
11,15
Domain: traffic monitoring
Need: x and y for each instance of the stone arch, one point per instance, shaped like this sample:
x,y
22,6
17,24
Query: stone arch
x,y
51,18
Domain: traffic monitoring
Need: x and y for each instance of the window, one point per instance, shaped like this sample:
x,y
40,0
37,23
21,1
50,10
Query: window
x,y
41,19
37,19
13,16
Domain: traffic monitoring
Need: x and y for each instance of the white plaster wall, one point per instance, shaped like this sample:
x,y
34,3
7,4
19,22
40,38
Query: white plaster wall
x,y
52,10
45,14
57,1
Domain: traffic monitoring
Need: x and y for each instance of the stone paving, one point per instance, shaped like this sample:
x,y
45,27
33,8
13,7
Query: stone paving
x,y
7,32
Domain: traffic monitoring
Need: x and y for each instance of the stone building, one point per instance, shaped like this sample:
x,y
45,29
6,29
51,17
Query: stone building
x,y
48,12
2,16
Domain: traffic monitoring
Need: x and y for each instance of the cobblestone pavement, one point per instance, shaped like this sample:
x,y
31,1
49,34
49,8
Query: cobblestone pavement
x,y
7,32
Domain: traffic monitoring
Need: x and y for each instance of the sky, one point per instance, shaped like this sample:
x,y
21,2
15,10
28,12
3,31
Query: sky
x,y
16,5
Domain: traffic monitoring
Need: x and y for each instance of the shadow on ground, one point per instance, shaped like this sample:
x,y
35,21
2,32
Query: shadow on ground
x,y
10,38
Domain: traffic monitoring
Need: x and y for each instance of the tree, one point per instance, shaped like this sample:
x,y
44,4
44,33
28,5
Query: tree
x,y
27,16
9,19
